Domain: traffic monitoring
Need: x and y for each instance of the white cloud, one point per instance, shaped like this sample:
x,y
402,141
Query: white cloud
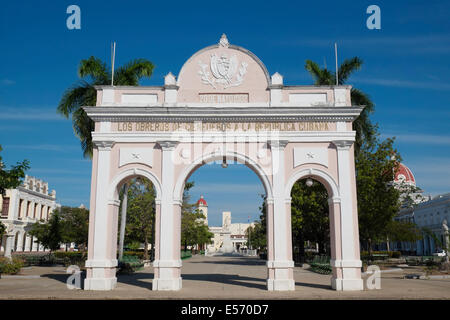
x,y
43,147
228,188
403,83
37,113
432,174
7,82
437,43
417,138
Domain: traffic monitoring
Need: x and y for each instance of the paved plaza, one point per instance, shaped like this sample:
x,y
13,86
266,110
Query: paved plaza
x,y
219,277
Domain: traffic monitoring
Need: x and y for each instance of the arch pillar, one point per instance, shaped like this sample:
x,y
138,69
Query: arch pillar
x,y
347,263
280,265
34,245
20,236
101,264
10,238
28,243
167,264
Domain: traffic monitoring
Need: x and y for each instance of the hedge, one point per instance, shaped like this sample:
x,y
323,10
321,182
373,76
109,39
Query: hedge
x,y
391,254
12,266
321,264
49,259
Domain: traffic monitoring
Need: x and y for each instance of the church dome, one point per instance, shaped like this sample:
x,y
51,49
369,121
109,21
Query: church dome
x,y
202,202
404,174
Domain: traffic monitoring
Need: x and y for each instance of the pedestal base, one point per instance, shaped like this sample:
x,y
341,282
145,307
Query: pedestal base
x,y
280,285
167,284
347,284
101,284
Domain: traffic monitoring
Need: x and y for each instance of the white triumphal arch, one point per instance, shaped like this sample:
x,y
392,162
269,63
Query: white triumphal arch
x,y
223,106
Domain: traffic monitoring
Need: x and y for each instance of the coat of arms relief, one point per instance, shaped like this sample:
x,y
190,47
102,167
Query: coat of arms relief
x,y
223,70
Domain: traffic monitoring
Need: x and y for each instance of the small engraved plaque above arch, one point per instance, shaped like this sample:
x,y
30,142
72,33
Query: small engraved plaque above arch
x,y
136,155
310,155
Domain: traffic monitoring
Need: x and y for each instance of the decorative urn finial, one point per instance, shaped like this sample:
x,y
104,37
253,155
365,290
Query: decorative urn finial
x,y
224,41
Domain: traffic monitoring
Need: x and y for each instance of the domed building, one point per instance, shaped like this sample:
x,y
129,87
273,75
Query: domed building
x,y
404,181
404,175
427,213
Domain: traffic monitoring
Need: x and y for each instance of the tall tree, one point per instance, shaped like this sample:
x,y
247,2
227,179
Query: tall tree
x,y
12,178
193,229
94,72
365,130
378,198
49,234
256,236
310,216
141,213
75,225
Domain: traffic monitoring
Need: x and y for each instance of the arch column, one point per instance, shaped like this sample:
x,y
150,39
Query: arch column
x,y
167,264
27,243
9,245
31,209
34,245
20,241
280,266
102,262
346,264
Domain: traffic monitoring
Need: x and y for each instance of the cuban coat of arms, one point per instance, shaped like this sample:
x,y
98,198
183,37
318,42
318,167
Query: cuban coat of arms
x,y
223,71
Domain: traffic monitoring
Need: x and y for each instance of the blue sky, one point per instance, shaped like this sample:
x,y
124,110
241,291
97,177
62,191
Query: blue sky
x,y
406,72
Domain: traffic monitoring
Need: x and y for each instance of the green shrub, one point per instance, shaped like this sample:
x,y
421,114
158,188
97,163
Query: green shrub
x,y
12,266
391,254
138,254
186,254
58,257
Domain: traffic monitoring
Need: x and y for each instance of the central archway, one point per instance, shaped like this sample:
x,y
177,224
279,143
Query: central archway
x,y
219,156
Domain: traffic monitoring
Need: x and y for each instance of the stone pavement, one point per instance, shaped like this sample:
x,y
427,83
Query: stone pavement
x,y
219,277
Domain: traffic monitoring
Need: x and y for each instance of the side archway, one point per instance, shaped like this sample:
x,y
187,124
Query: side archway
x,y
131,173
320,175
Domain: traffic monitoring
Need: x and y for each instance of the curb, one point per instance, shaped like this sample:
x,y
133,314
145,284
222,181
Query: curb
x,y
385,271
19,277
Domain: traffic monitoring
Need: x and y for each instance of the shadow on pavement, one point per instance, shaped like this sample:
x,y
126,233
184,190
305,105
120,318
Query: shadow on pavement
x,y
64,277
236,261
227,279
314,285
135,279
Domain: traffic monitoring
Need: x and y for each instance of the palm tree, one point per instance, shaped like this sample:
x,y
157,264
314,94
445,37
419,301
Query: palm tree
x,y
94,72
365,130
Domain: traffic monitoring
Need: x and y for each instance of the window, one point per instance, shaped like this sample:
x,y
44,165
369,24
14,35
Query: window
x,y
5,207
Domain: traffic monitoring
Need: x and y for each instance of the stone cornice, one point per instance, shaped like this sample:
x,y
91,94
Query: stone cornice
x,y
343,144
35,193
168,145
104,145
229,114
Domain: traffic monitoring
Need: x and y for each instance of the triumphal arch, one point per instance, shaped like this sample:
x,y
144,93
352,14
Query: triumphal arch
x,y
223,106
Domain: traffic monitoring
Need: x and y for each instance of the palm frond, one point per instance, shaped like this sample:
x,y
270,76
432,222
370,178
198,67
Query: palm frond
x,y
83,126
96,69
81,94
360,98
348,67
132,72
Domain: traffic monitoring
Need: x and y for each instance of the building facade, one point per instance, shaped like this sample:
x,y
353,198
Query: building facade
x,y
429,214
20,208
433,215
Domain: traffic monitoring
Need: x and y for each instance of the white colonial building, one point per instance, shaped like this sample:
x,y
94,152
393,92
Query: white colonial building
x,y
22,207
230,237
432,214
